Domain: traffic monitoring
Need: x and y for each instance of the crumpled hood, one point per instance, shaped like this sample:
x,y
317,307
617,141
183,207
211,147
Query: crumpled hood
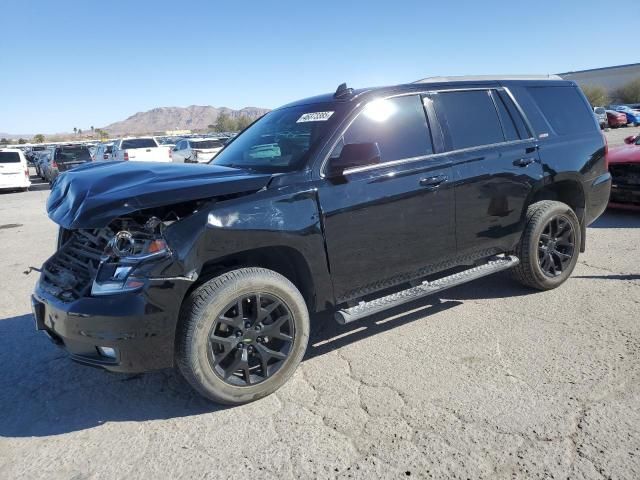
x,y
92,195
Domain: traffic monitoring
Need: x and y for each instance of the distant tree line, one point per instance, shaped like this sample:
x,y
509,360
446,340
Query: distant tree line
x,y
598,96
227,123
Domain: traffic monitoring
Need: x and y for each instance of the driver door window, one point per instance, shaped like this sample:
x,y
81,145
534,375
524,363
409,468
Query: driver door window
x,y
398,125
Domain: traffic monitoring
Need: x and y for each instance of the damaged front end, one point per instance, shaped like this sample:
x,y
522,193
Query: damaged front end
x,y
102,261
117,289
625,188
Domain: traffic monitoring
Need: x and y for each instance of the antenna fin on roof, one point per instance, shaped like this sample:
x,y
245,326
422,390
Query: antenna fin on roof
x,y
343,91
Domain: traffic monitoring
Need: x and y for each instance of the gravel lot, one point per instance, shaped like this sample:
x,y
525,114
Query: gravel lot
x,y
488,380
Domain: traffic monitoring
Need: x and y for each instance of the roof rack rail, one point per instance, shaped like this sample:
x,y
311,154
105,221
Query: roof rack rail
x,y
473,78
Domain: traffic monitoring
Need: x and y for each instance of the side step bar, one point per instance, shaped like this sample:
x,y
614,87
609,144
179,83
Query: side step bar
x,y
364,309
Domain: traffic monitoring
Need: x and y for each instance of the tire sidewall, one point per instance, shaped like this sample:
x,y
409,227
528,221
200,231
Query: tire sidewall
x,y
210,384
544,280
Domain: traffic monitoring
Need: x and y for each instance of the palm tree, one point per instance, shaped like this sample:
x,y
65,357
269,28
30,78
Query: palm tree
x,y
75,130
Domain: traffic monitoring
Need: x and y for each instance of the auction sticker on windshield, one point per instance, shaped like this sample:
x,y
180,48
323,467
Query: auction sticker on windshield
x,y
315,117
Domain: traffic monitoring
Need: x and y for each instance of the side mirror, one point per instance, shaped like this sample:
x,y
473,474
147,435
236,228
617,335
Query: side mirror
x,y
631,139
354,155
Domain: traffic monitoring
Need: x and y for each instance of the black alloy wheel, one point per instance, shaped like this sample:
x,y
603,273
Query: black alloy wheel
x,y
251,339
556,246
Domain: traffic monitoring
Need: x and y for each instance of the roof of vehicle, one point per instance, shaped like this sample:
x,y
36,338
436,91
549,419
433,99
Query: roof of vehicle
x,y
201,139
14,150
435,83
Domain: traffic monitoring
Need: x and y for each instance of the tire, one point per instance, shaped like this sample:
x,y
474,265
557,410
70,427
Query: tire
x,y
202,317
536,240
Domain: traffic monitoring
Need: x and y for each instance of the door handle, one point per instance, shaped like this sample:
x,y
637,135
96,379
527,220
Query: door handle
x,y
524,162
433,182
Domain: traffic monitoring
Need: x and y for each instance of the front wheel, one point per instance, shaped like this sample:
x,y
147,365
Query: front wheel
x,y
242,335
549,246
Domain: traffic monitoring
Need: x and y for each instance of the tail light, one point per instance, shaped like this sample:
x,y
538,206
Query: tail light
x,y
54,164
126,155
26,172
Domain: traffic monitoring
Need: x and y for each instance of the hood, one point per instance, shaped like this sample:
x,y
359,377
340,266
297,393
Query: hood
x,y
624,154
91,196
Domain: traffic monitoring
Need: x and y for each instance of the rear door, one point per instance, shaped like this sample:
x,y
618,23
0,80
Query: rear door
x,y
71,156
12,169
144,149
10,163
388,222
495,165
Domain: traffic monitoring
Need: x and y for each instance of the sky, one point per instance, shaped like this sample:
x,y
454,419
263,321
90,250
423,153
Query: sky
x,y
67,63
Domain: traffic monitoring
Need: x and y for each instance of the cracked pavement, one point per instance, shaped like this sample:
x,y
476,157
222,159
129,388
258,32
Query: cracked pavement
x,y
488,380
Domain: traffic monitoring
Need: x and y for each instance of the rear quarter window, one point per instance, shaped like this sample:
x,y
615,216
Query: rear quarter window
x,y
564,109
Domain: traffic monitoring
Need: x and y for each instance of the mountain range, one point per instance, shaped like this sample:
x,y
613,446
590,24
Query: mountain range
x,y
194,117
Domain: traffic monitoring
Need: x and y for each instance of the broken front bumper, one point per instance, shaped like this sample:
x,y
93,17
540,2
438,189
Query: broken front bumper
x,y
139,326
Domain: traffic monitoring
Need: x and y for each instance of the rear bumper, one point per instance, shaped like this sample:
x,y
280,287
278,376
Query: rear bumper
x,y
139,326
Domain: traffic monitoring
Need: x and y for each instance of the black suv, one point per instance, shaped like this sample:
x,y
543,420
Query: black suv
x,y
356,202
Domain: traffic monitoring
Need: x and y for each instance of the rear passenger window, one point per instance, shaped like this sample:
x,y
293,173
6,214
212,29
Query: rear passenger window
x,y
565,110
398,125
469,118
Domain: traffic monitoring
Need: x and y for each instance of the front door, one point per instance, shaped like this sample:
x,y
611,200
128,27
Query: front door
x,y
387,223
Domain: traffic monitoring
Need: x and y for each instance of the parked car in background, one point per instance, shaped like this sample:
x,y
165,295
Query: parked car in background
x,y
624,165
67,157
47,166
140,149
32,153
601,115
39,159
103,152
168,141
14,171
616,119
196,150
633,116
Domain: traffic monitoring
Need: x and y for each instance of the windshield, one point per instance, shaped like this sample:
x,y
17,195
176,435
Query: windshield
x,y
9,157
599,110
280,141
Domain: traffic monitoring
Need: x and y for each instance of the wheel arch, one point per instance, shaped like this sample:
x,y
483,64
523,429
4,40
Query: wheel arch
x,y
285,260
569,192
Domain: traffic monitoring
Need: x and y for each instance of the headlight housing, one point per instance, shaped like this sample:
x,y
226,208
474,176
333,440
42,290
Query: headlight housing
x,y
126,251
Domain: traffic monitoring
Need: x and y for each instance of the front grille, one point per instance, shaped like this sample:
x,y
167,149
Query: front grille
x,y
69,273
625,173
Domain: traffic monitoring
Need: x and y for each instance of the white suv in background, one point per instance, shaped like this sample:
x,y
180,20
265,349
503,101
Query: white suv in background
x,y
140,149
196,150
14,172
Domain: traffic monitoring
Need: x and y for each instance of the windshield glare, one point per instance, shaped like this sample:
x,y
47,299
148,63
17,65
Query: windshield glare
x,y
282,140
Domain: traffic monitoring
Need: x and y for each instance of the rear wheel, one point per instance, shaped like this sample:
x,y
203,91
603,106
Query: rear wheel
x,y
549,247
242,335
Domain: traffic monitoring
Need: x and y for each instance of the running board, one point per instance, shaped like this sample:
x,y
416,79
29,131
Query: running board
x,y
364,309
